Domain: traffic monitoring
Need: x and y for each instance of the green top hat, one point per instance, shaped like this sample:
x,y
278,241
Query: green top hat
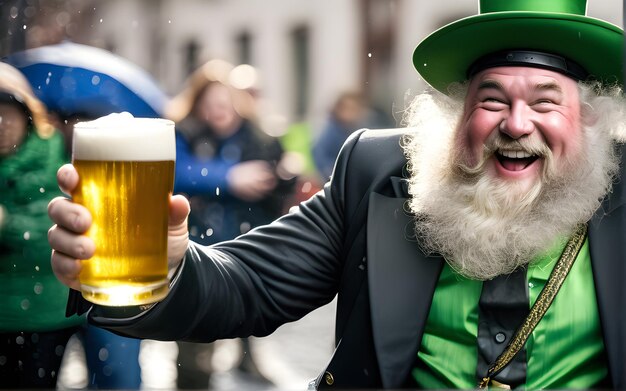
x,y
557,27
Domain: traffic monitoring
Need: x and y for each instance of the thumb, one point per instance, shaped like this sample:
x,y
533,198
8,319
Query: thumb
x,y
178,235
179,210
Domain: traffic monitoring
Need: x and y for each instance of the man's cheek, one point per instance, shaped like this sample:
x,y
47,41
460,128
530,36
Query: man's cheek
x,y
472,146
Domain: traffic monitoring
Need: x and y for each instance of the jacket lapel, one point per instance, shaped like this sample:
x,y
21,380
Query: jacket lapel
x,y
401,282
608,255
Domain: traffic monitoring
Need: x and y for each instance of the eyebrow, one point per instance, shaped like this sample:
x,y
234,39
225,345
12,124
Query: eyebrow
x,y
486,84
549,86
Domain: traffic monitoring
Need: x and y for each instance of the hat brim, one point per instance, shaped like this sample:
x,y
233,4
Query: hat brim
x,y
444,56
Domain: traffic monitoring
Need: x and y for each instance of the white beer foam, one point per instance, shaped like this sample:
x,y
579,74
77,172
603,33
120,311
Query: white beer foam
x,y
122,137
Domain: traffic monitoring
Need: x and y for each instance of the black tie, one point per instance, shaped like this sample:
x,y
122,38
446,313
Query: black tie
x,y
503,306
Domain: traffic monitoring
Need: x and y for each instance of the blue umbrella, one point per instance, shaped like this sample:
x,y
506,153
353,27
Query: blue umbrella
x,y
73,79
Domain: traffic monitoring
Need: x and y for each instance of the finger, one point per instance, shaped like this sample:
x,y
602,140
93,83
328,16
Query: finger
x,y
70,244
66,269
178,235
179,210
69,215
67,177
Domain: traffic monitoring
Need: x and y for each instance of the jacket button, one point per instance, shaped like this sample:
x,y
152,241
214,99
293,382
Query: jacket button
x,y
328,378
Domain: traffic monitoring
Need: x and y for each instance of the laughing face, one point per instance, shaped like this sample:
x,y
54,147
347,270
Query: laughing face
x,y
506,166
519,120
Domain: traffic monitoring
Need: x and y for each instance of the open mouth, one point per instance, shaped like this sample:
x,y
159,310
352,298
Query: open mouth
x,y
515,160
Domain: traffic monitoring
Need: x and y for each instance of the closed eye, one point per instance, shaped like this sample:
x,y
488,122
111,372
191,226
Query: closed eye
x,y
543,105
493,104
543,101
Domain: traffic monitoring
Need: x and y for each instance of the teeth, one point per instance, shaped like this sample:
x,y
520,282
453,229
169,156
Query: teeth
x,y
515,154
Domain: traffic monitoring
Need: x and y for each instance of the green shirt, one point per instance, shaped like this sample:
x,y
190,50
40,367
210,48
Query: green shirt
x,y
565,350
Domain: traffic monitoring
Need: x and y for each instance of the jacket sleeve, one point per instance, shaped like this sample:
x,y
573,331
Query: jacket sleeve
x,y
274,274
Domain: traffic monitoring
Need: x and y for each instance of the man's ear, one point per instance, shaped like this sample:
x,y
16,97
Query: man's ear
x,y
588,116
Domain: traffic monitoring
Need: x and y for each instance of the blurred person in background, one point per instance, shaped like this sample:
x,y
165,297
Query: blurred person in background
x,y
298,142
33,327
351,111
81,83
235,182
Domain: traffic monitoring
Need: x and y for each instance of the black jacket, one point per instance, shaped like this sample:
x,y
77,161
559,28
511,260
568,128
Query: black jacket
x,y
351,239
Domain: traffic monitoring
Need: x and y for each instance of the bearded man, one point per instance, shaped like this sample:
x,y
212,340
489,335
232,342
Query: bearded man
x,y
481,245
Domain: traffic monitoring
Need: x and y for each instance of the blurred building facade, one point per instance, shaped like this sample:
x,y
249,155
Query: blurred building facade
x,y
306,51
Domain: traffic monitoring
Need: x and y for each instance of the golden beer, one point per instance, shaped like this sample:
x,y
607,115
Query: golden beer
x,y
126,170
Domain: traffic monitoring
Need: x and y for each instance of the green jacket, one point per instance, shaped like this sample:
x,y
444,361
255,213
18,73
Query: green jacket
x,y
31,298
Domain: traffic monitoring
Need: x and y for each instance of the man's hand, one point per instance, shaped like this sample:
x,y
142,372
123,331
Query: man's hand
x,y
72,220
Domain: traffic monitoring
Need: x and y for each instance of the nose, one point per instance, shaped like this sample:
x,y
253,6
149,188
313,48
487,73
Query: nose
x,y
517,123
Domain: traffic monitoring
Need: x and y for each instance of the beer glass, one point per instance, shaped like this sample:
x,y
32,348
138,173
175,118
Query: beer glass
x,y
126,169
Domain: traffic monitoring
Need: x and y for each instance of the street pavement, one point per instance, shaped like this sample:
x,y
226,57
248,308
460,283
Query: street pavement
x,y
289,358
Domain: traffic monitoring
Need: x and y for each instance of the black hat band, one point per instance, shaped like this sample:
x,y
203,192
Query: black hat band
x,y
529,58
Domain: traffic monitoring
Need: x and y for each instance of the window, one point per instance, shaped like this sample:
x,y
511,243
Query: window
x,y
300,51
